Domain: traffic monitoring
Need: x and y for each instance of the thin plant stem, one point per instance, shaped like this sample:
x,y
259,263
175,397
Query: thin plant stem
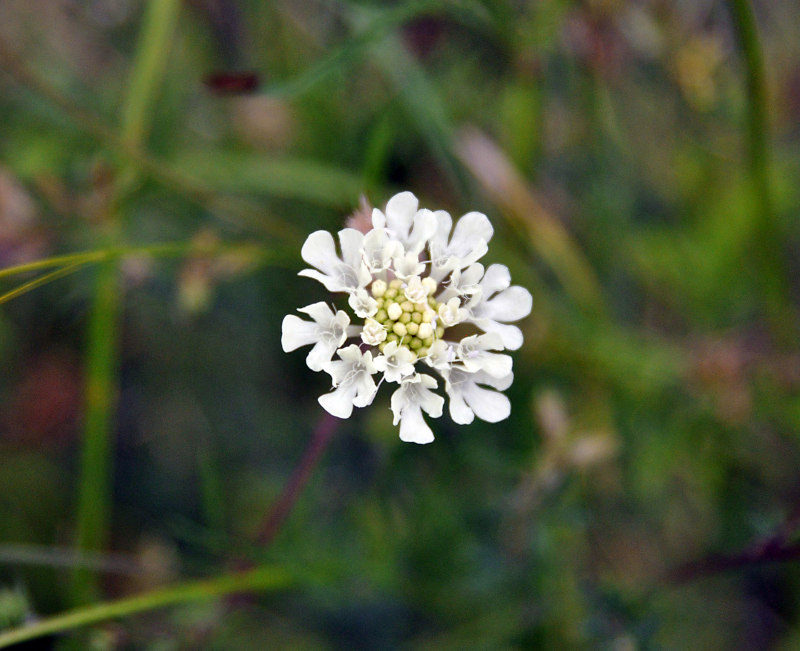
x,y
767,233
41,280
160,250
256,580
55,261
282,507
94,493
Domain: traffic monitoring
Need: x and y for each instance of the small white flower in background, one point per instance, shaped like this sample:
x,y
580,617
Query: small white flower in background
x,y
422,305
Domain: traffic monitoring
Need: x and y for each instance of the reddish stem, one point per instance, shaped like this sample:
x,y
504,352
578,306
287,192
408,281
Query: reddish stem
x,y
282,507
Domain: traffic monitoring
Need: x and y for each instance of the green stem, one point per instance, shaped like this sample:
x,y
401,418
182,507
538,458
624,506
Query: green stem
x,y
260,579
94,496
767,232
41,280
73,262
164,250
55,261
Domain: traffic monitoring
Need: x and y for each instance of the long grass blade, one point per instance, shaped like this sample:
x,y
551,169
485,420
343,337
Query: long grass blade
x,y
259,580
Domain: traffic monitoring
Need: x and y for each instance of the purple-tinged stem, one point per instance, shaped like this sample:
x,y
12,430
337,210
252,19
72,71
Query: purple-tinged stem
x,y
323,433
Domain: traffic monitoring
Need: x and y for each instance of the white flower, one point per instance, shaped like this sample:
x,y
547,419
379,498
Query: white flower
x,y
468,399
408,265
415,291
352,379
497,304
409,281
338,275
473,353
327,332
441,355
379,250
396,362
408,226
468,243
373,333
463,283
362,303
408,403
451,312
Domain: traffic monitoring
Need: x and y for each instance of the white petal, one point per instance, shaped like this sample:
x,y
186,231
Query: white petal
x,y
413,428
511,304
331,284
497,277
490,341
295,332
472,275
424,228
488,405
432,404
470,229
339,403
510,334
459,411
319,251
352,354
400,211
320,312
351,240
495,364
366,390
320,355
378,218
501,383
444,223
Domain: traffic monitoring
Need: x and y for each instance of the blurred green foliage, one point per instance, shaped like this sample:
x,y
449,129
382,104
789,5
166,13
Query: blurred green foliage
x,y
656,403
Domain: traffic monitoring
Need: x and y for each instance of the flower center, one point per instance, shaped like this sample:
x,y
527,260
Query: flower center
x,y
413,324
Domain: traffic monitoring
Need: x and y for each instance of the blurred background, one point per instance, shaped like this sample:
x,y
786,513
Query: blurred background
x,y
639,162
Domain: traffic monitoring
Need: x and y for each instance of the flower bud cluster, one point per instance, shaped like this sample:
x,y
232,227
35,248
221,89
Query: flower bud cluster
x,y
412,324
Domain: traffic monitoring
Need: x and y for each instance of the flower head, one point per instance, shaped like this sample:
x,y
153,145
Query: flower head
x,y
408,282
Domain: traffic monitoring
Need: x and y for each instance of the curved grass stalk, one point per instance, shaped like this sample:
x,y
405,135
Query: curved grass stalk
x,y
164,250
55,261
41,280
257,580
73,262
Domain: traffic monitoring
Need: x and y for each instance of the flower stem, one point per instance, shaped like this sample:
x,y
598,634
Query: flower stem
x,y
282,507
